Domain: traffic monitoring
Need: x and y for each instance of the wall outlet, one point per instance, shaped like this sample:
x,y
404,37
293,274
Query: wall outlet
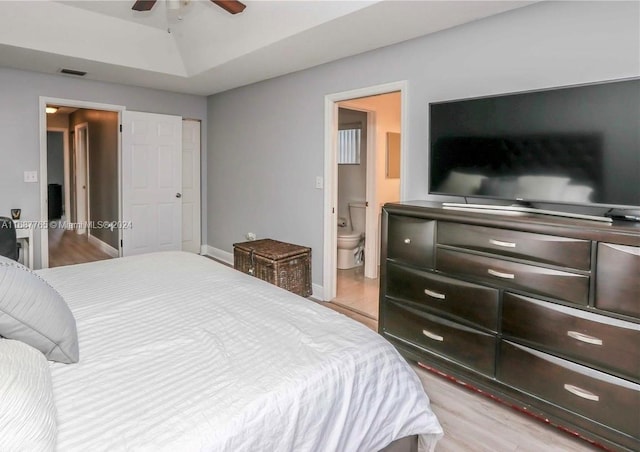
x,y
31,176
250,236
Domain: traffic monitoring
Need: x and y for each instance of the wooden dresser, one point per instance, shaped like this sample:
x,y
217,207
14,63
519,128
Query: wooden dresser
x,y
541,312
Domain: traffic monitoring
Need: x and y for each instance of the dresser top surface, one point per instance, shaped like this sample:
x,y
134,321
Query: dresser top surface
x,y
622,232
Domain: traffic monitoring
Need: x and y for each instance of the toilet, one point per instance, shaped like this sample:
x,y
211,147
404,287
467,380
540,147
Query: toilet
x,y
351,237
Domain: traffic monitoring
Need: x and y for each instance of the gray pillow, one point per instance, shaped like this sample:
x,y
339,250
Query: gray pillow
x,y
33,312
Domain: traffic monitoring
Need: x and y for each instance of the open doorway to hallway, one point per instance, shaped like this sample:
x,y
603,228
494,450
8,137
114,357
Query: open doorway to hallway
x,y
82,185
366,179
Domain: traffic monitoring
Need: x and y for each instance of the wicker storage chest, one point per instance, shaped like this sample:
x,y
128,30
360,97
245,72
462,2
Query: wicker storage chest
x,y
283,264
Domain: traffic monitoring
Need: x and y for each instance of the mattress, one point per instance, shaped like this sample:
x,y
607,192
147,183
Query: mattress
x,y
180,353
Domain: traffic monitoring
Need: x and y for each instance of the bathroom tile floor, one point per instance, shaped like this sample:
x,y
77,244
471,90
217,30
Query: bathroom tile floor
x,y
357,293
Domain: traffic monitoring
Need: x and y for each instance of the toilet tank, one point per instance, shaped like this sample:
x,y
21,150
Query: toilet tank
x,y
357,210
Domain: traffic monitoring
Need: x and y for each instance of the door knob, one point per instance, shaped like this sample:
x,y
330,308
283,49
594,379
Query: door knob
x,y
178,195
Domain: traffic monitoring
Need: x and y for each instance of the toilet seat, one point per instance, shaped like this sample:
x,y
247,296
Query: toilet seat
x,y
349,235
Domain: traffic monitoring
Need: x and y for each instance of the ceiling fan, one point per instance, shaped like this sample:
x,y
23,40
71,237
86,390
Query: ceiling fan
x,y
231,6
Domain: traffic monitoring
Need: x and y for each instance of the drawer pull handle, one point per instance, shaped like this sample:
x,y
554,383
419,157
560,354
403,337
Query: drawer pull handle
x,y
432,294
584,338
501,243
433,336
501,274
407,241
582,392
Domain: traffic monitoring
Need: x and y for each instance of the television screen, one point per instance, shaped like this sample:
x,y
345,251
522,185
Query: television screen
x,y
575,145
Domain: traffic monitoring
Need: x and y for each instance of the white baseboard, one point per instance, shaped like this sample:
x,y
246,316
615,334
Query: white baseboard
x,y
218,254
318,292
111,251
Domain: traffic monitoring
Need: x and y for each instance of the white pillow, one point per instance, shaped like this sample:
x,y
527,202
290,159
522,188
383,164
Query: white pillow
x,y
577,193
27,410
548,188
461,183
33,312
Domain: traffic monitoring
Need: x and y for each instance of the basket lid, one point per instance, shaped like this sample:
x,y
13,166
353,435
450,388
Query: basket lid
x,y
272,249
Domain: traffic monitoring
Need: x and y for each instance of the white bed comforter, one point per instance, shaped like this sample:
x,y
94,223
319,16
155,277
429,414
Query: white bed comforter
x,y
179,353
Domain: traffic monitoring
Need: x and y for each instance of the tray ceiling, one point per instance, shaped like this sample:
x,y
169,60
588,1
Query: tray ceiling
x,y
201,49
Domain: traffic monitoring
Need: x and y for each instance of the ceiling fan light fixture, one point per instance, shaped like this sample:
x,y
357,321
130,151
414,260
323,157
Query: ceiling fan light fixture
x,y
231,6
174,5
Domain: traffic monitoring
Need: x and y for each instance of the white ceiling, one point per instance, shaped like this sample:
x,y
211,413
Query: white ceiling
x,y
202,49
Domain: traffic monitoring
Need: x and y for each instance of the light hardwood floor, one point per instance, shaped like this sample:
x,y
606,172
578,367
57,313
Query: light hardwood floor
x,y
66,247
474,423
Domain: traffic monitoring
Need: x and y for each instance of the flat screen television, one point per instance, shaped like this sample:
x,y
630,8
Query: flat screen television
x,y
577,145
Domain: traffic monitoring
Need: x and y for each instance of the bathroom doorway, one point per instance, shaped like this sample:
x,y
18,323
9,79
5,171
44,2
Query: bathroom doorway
x,y
368,156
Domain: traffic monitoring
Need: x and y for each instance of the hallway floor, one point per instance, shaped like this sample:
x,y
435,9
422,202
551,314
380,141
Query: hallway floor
x,y
357,293
66,247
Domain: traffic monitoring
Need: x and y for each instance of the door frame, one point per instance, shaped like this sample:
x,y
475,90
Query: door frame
x,y
80,172
44,214
329,273
371,191
67,169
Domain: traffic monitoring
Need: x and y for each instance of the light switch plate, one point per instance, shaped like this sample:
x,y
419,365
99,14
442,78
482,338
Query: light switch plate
x,y
319,182
31,176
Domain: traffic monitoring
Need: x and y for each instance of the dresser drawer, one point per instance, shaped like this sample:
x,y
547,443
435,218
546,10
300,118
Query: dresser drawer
x,y
547,249
465,345
598,340
609,400
472,302
411,240
618,279
545,281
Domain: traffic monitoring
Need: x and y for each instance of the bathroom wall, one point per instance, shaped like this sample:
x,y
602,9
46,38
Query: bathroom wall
x,y
352,179
387,109
388,116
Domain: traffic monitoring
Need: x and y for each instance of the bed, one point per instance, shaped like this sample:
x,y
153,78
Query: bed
x,y
180,353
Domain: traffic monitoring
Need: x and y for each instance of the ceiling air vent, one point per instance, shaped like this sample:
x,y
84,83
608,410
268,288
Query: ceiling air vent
x,y
73,72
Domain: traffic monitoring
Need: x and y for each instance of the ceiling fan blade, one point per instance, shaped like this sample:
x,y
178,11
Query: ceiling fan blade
x,y
143,5
232,6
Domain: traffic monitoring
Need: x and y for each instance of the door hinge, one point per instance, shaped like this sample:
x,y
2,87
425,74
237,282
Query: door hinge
x,y
120,243
120,127
333,210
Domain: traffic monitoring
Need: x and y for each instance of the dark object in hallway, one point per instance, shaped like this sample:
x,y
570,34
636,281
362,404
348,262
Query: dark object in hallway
x,y
8,240
55,201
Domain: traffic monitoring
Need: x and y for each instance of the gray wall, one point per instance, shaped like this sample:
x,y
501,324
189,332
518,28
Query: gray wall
x,y
266,141
20,136
103,169
352,179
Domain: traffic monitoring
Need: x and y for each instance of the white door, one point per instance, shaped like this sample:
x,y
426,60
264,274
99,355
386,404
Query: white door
x,y
191,186
151,182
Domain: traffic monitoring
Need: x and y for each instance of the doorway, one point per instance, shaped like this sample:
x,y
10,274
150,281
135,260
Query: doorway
x,y
82,187
81,176
171,166
356,288
71,239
